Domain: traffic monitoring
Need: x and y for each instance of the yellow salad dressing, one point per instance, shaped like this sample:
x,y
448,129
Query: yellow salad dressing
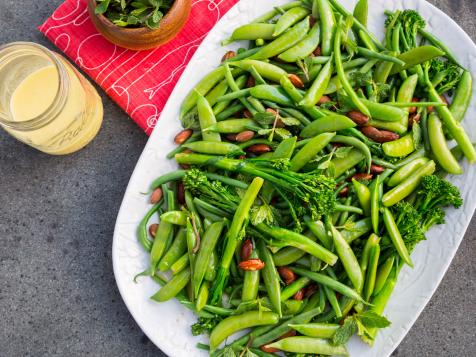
x,y
65,105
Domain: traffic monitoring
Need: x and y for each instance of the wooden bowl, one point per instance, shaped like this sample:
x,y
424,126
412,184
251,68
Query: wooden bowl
x,y
143,38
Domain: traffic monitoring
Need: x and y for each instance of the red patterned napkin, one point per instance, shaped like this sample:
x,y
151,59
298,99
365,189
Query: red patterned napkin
x,y
139,81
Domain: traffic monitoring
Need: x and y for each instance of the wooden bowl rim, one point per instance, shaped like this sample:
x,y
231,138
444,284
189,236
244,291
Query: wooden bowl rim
x,y
172,13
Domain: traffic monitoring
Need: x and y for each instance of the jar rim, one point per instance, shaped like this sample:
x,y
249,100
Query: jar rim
x,y
58,102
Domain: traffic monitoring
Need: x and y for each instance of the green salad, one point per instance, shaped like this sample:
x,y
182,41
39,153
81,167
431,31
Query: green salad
x,y
312,162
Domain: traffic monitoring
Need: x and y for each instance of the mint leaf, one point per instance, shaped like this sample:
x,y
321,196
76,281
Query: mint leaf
x,y
290,121
345,332
371,319
264,118
260,214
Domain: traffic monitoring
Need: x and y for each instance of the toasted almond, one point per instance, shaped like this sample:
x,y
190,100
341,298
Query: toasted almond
x,y
317,52
156,195
412,110
259,148
183,136
361,176
358,117
380,136
228,55
251,264
300,294
246,249
250,82
376,169
296,81
245,136
287,275
153,229
324,99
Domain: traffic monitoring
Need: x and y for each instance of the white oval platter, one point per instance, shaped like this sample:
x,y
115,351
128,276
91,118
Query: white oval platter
x,y
168,324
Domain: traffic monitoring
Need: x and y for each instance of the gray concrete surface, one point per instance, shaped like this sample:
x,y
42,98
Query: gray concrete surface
x,y
57,291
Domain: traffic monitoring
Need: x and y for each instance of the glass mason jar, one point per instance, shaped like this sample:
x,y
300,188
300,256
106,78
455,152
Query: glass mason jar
x,y
44,101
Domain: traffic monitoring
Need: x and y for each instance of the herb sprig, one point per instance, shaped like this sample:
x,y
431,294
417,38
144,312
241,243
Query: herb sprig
x,y
134,13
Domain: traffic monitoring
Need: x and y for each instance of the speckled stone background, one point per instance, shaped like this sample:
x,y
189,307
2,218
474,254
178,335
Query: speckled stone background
x,y
57,291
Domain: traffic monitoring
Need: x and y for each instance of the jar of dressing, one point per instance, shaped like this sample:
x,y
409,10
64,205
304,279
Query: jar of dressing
x,y
44,101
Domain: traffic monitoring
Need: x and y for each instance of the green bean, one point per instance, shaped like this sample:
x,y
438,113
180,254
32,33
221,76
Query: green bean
x,y
202,296
330,283
142,230
178,248
232,324
240,83
180,148
219,90
180,264
302,344
462,97
270,277
383,273
319,330
371,272
175,217
161,241
396,237
343,78
253,31
168,177
283,42
318,87
206,118
202,88
310,150
416,155
357,230
173,287
416,56
303,48
405,188
348,259
361,10
329,123
228,112
318,229
327,22
234,87
380,301
215,148
341,165
363,195
353,209
406,171
381,56
268,92
207,246
233,234
374,203
440,148
234,95
399,148
289,18
288,255
297,240
278,331
231,126
294,287
243,55
250,283
210,273
347,140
